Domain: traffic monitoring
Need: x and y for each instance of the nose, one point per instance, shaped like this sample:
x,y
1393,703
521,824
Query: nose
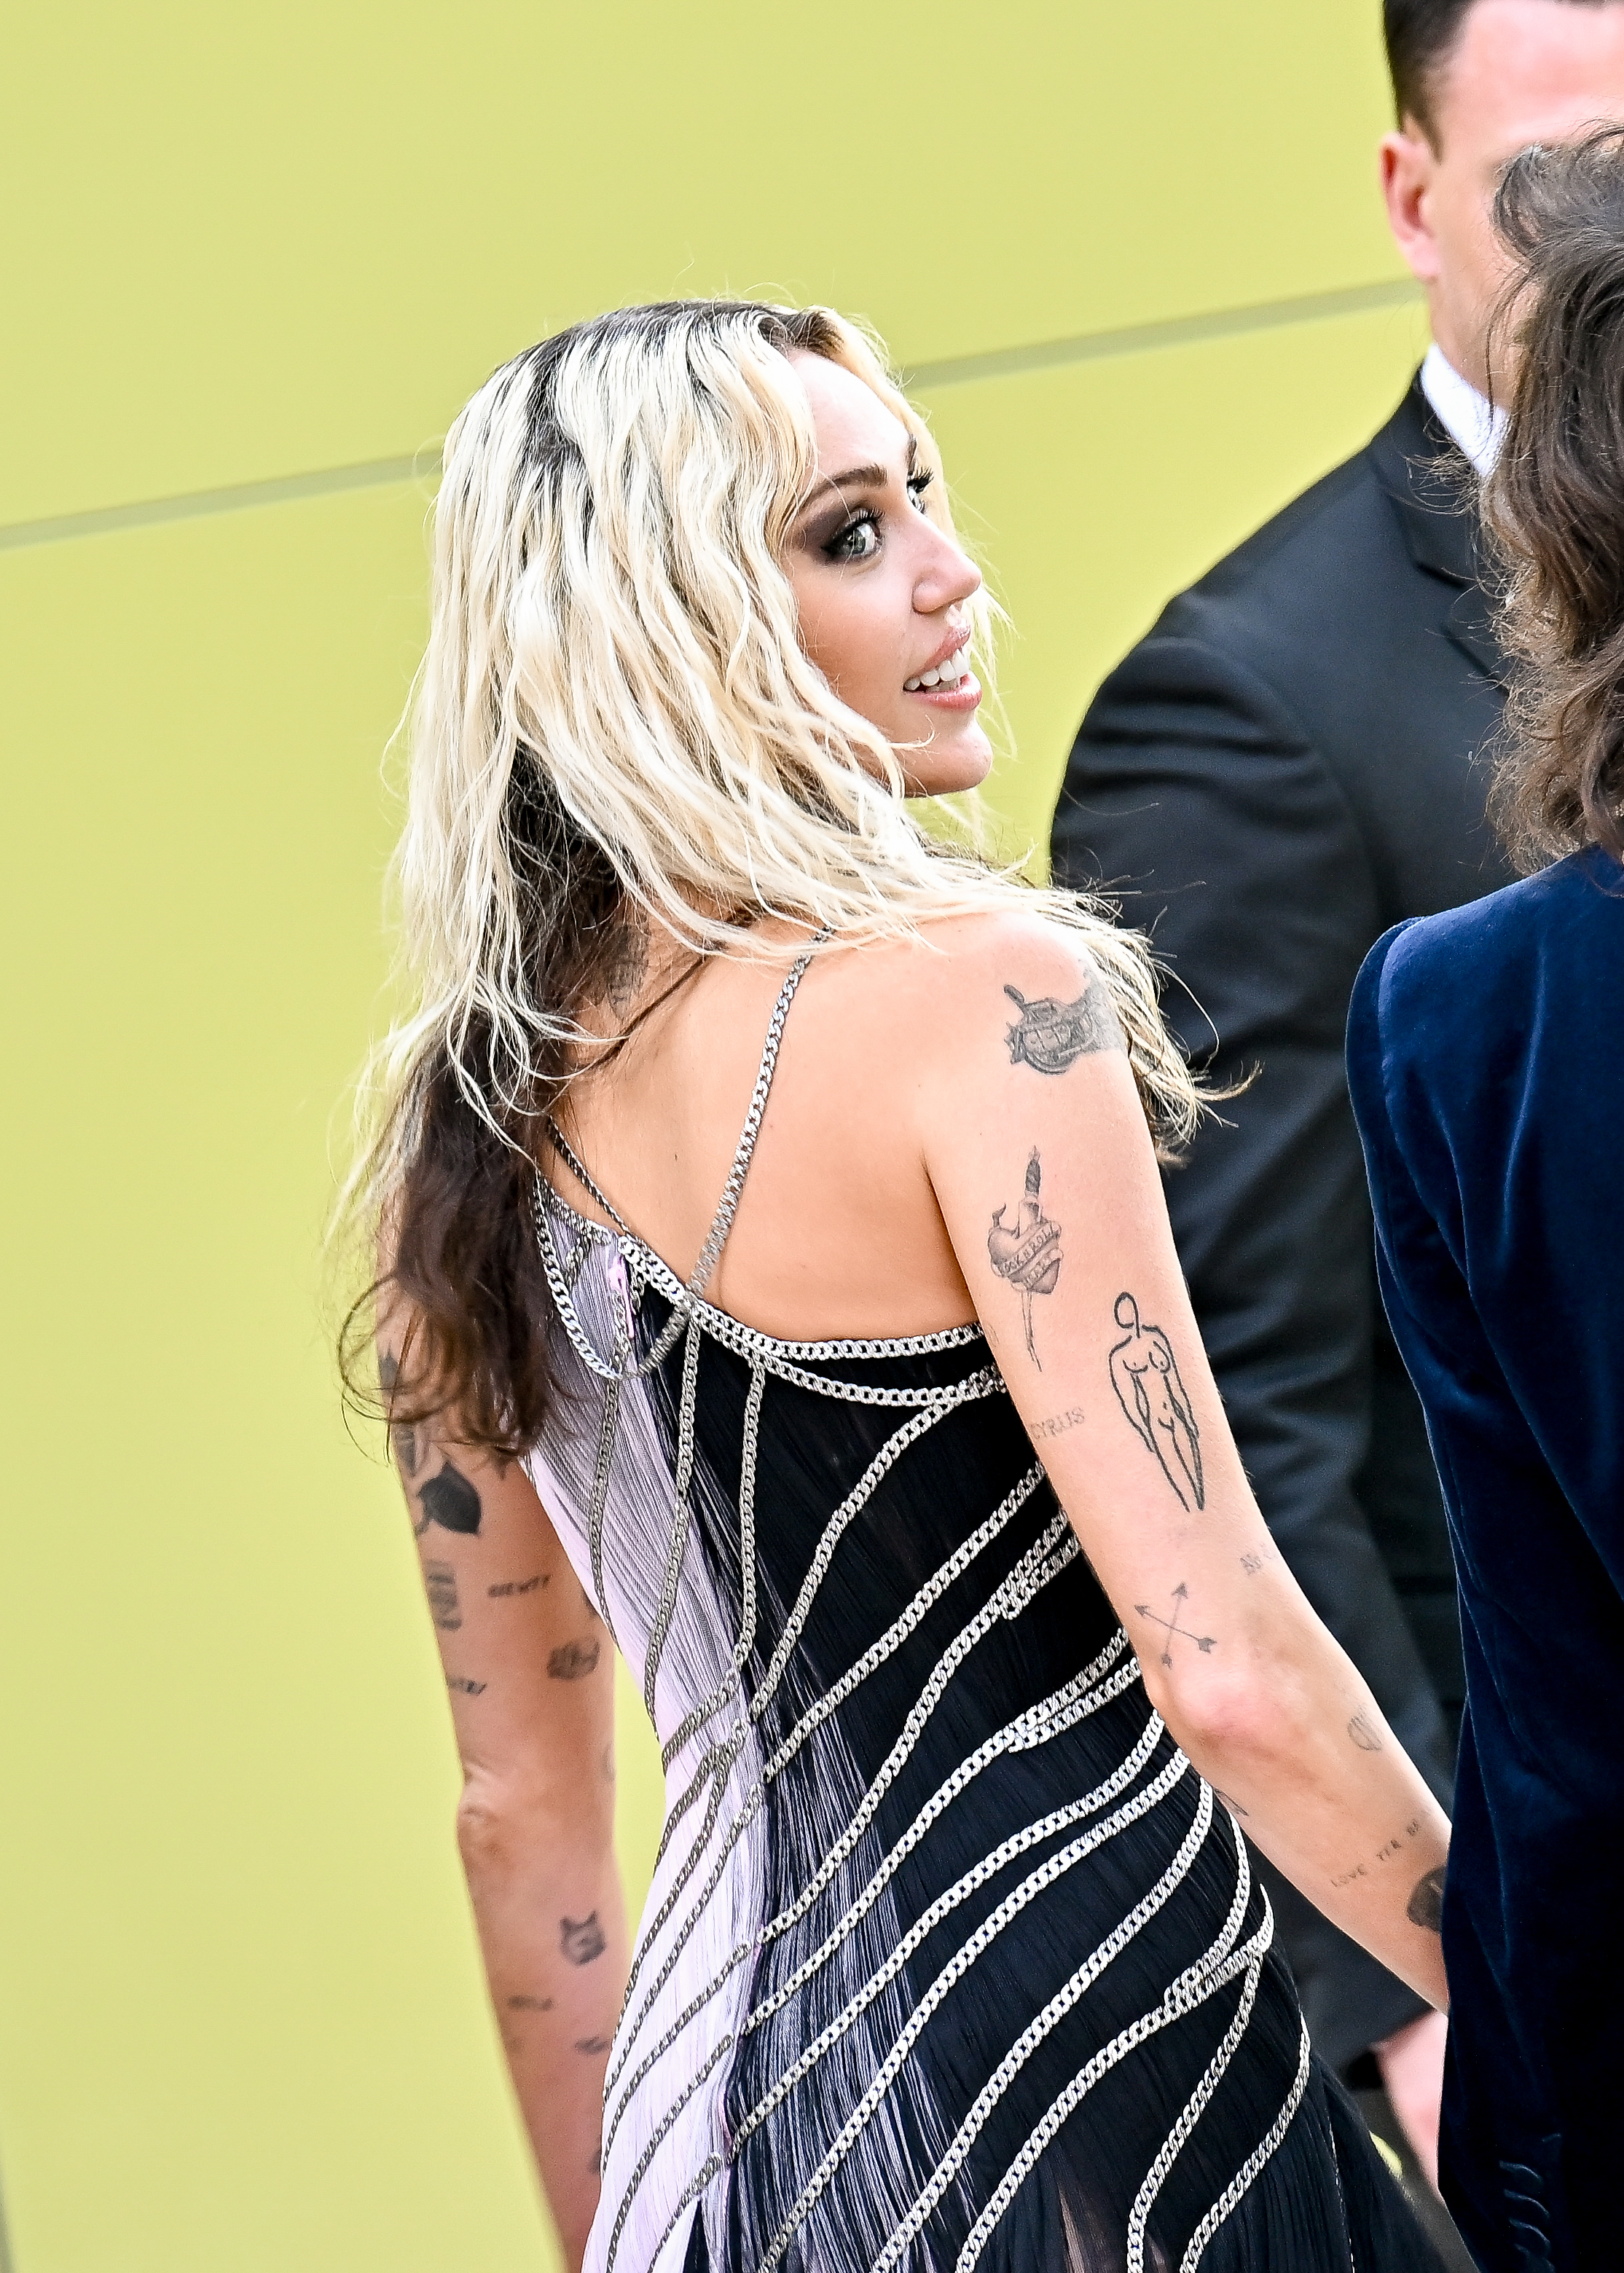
x,y
946,575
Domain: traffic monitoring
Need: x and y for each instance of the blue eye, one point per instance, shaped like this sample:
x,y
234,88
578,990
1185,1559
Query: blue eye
x,y
918,483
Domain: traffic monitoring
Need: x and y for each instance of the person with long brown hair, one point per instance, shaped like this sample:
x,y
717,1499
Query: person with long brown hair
x,y
1486,1057
776,1287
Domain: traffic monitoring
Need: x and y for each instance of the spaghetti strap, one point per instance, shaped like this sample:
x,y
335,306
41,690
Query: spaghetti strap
x,y
728,1206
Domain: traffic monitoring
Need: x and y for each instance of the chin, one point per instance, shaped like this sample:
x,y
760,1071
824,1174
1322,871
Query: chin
x,y
944,772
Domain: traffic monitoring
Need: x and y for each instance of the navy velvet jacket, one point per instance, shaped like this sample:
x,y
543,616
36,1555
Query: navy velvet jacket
x,y
1486,1064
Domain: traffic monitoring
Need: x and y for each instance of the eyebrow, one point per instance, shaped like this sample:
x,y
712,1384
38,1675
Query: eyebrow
x,y
859,477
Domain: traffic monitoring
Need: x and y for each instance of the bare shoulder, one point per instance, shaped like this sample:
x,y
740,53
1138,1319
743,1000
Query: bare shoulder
x,y
1014,988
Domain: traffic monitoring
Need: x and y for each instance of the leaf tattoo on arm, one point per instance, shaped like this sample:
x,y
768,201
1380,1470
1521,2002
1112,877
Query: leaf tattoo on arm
x,y
1027,1251
1425,1906
1146,1378
449,1500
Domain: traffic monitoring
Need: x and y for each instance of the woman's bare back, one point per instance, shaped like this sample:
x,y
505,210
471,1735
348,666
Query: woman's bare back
x,y
838,1234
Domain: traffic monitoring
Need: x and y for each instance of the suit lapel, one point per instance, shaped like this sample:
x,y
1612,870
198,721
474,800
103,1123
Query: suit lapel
x,y
1428,486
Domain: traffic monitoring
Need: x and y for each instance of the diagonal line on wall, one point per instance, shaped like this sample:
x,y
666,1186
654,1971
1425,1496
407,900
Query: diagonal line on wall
x,y
284,488
954,371
1171,332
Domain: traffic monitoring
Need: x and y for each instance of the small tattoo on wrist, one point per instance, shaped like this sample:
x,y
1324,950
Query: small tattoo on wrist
x,y
463,1687
573,1660
518,1586
592,2043
1252,1564
1057,1424
1362,1729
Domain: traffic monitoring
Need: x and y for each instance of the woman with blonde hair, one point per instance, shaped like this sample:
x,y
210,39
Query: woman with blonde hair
x,y
876,1437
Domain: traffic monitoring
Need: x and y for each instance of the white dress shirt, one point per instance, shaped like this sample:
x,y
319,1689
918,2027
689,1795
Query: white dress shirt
x,y
1474,424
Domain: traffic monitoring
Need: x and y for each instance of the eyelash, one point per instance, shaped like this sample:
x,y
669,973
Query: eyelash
x,y
918,483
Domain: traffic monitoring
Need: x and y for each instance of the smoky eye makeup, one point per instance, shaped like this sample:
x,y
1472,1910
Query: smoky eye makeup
x,y
834,533
856,539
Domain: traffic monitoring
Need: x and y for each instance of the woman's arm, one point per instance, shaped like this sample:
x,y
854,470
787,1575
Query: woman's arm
x,y
1039,1155
531,1674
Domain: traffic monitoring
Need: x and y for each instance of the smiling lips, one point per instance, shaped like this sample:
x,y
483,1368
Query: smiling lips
x,y
950,683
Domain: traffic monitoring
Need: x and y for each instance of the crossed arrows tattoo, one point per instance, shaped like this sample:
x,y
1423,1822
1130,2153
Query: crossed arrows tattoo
x,y
1204,1643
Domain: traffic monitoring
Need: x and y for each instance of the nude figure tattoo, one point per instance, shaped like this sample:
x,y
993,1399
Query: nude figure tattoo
x,y
1051,1036
582,1940
449,1500
1145,1374
1204,1643
1027,1251
1425,1906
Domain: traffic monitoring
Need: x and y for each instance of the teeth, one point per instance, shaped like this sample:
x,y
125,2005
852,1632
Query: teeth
x,y
945,674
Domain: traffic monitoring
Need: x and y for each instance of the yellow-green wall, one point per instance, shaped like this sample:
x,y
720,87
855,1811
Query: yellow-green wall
x,y
254,259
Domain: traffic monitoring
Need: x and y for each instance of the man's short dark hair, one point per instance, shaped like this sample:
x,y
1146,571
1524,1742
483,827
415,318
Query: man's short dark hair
x,y
1421,36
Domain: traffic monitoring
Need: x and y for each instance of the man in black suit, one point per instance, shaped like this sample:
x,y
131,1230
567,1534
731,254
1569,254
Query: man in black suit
x,y
1287,764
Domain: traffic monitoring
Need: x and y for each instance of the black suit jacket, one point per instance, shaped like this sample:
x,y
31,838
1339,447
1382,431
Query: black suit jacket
x,y
1281,769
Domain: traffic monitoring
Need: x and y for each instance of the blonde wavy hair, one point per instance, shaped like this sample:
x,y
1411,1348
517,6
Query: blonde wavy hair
x,y
615,722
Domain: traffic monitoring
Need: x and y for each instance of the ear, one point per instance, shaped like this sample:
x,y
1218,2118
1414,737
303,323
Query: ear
x,y
1409,163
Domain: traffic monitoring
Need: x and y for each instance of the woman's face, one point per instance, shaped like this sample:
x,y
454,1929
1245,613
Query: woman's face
x,y
881,590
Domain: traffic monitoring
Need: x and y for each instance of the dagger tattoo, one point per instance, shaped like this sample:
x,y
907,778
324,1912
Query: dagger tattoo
x,y
1027,1252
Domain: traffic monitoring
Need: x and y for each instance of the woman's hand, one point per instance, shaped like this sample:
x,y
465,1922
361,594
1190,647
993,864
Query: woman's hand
x,y
529,1669
1038,1151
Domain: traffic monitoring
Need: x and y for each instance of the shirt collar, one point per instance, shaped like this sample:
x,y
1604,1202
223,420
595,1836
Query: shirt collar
x,y
1473,424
